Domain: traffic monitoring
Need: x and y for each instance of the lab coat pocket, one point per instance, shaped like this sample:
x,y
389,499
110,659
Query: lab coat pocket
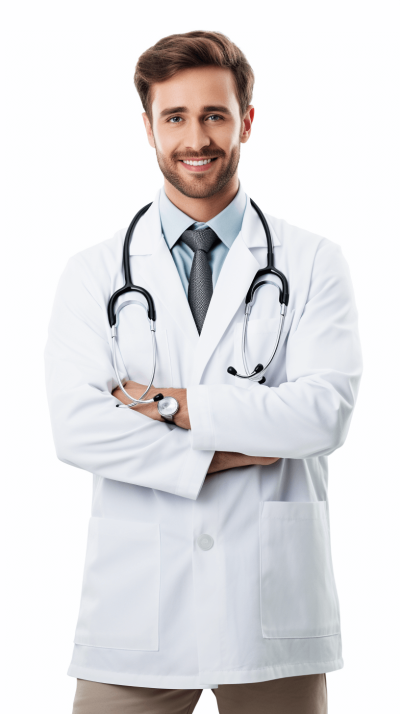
x,y
297,586
120,595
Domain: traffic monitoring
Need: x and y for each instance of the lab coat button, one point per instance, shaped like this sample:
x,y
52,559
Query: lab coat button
x,y
205,541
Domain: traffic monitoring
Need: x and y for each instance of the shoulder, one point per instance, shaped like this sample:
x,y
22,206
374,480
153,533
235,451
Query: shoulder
x,y
101,255
296,239
99,261
312,263
92,271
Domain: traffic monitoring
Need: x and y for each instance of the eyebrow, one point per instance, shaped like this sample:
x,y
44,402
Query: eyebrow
x,y
183,110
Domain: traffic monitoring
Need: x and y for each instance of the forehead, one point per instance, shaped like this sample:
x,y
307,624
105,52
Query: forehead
x,y
195,88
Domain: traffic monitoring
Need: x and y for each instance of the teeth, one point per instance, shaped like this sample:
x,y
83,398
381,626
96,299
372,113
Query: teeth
x,y
197,163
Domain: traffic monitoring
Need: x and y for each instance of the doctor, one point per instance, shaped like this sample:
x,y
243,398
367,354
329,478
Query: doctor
x,y
208,559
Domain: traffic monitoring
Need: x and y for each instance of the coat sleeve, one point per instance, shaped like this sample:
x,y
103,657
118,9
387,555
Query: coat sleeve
x,y
88,431
309,414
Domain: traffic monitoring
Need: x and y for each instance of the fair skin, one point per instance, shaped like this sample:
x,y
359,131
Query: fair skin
x,y
196,117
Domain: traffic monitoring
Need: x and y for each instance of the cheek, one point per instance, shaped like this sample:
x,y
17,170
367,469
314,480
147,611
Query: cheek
x,y
165,143
229,139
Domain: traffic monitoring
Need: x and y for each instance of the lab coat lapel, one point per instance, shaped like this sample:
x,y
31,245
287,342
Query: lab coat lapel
x,y
153,258
239,268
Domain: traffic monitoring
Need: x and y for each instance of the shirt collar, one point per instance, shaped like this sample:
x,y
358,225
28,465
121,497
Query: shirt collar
x,y
227,224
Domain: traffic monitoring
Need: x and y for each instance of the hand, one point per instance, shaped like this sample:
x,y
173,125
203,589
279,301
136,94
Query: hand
x,y
136,390
223,460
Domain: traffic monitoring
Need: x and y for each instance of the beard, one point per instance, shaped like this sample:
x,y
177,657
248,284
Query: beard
x,y
199,185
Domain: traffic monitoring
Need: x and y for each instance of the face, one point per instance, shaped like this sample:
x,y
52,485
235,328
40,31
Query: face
x,y
196,118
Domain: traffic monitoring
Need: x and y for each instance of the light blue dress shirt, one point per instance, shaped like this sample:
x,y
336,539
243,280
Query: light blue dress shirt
x,y
227,226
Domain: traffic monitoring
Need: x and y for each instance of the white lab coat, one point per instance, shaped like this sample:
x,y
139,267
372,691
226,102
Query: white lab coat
x,y
160,608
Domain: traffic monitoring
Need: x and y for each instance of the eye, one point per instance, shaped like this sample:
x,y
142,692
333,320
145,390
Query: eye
x,y
214,117
175,120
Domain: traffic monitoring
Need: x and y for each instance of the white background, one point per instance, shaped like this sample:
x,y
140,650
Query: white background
x,y
76,166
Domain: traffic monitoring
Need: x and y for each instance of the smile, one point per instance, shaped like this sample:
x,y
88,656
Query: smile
x,y
198,163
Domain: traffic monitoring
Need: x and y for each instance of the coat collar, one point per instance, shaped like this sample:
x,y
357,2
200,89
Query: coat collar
x,y
227,224
144,241
247,255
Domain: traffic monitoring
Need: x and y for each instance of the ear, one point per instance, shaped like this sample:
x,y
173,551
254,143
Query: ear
x,y
246,124
149,130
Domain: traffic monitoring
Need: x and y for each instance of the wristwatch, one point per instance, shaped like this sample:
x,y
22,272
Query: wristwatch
x,y
168,407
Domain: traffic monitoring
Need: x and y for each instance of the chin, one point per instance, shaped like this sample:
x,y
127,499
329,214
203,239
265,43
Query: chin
x,y
198,186
199,190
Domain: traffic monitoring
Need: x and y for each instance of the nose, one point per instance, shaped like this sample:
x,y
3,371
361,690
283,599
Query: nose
x,y
196,137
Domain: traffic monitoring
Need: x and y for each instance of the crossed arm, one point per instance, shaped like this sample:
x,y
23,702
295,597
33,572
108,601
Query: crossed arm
x,y
222,459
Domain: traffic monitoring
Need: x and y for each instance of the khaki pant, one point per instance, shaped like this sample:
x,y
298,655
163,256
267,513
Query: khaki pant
x,y
304,694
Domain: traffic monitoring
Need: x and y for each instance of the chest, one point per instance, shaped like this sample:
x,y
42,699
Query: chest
x,y
175,352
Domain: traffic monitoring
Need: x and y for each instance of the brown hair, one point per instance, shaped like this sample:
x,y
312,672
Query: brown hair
x,y
192,49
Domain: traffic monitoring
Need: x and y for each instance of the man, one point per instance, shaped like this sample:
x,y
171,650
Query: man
x,y
208,560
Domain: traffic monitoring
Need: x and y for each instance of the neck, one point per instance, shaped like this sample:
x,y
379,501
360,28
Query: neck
x,y
203,209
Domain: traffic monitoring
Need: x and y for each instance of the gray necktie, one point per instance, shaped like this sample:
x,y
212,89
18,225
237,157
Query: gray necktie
x,y
200,281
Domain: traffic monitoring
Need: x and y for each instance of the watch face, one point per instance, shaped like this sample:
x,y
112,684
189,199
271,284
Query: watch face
x,y
168,406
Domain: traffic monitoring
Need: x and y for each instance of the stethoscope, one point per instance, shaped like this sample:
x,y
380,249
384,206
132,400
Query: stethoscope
x,y
113,314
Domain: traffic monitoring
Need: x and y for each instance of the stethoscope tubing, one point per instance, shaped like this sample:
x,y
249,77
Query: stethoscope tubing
x,y
129,286
259,370
140,400
270,269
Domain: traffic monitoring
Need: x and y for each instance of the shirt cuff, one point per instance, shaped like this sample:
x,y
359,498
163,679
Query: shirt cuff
x,y
201,423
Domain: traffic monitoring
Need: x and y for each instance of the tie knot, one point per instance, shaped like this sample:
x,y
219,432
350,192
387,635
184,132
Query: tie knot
x,y
202,239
